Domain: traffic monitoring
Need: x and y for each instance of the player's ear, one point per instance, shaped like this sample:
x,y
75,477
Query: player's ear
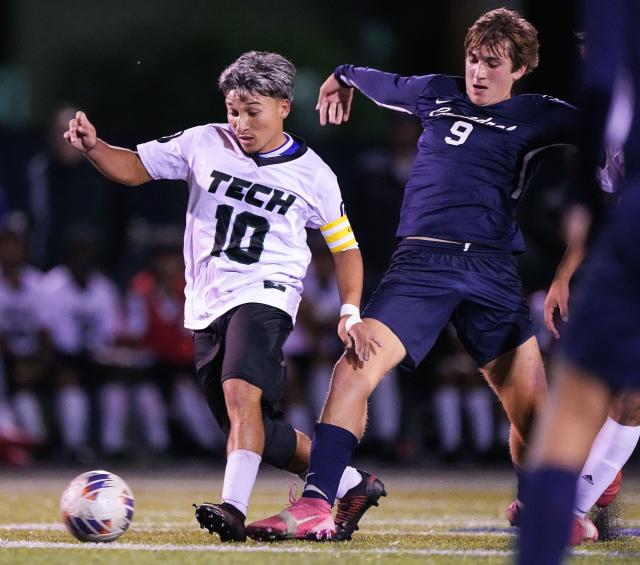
x,y
519,73
285,108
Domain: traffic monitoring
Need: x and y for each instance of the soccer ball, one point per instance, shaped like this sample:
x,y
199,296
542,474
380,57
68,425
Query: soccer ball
x,y
97,506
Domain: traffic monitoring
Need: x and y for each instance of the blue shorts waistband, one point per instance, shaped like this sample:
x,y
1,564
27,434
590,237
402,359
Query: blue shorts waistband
x,y
457,248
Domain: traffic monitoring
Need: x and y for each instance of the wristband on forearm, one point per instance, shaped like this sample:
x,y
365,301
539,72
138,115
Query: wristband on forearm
x,y
354,315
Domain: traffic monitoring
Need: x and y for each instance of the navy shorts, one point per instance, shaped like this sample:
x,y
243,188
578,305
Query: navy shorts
x,y
429,284
603,335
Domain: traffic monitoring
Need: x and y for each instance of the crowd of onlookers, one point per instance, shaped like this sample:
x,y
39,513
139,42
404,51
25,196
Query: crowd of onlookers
x,y
96,363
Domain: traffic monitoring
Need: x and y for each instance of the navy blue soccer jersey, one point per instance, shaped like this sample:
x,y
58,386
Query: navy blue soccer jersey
x,y
471,165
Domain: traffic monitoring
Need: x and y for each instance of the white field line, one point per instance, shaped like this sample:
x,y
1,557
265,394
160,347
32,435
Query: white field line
x,y
458,523
371,524
159,528
314,549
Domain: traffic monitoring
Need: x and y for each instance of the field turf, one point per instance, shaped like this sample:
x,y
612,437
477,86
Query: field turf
x,y
429,517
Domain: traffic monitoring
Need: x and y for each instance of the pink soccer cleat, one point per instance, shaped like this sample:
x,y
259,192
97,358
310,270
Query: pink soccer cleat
x,y
610,493
513,513
304,519
582,529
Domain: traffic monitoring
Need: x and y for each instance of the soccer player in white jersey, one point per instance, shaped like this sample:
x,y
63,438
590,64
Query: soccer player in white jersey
x,y
253,189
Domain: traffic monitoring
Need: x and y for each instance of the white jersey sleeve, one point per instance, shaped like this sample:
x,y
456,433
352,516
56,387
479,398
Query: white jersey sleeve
x,y
170,157
329,206
329,214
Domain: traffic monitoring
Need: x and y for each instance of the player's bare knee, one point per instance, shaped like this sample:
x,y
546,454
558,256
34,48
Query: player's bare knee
x,y
625,409
362,379
350,384
241,396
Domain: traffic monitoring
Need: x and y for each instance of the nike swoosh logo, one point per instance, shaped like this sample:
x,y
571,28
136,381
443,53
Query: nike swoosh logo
x,y
438,101
305,520
292,522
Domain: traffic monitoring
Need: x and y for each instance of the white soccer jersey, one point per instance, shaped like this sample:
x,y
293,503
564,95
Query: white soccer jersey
x,y
21,312
81,319
245,238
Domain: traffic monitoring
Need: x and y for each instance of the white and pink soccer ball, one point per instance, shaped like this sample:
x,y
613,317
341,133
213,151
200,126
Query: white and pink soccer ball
x,y
97,506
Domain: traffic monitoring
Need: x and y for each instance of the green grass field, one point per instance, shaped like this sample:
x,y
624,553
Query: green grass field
x,y
428,517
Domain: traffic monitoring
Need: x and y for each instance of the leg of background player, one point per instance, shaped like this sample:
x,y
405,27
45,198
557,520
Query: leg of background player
x,y
611,449
519,380
562,441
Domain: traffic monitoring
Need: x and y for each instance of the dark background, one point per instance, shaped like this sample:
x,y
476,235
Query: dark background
x,y
145,68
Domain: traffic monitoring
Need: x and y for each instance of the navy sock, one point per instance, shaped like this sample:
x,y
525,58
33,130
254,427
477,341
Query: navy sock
x,y
547,516
331,451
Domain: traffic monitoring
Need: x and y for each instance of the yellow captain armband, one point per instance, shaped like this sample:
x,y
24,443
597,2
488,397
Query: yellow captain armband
x,y
339,235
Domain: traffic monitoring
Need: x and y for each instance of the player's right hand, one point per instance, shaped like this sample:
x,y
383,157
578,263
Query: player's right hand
x,y
557,298
81,133
359,341
334,102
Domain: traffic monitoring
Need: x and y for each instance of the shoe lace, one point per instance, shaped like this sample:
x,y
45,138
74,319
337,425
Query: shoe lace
x,y
293,492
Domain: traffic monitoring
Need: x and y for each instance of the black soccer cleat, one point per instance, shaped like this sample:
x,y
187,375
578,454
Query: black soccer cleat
x,y
224,519
353,505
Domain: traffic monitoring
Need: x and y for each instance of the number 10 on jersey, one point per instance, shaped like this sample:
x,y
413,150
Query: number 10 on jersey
x,y
243,221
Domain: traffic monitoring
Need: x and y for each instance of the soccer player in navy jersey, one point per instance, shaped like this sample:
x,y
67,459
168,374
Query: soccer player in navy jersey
x,y
600,354
458,236
601,477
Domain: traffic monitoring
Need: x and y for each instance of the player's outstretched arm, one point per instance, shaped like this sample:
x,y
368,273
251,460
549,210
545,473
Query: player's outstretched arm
x,y
558,293
349,275
117,163
334,102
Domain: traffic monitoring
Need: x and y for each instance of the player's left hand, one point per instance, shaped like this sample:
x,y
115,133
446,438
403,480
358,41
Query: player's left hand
x,y
358,340
334,102
557,298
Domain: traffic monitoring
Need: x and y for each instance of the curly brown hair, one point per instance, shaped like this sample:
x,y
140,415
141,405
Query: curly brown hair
x,y
504,30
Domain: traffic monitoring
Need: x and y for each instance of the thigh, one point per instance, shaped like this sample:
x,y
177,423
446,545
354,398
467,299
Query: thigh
x,y
518,378
416,298
353,382
493,318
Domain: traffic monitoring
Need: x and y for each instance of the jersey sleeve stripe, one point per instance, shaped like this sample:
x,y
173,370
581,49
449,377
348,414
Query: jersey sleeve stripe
x,y
349,243
328,227
338,235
